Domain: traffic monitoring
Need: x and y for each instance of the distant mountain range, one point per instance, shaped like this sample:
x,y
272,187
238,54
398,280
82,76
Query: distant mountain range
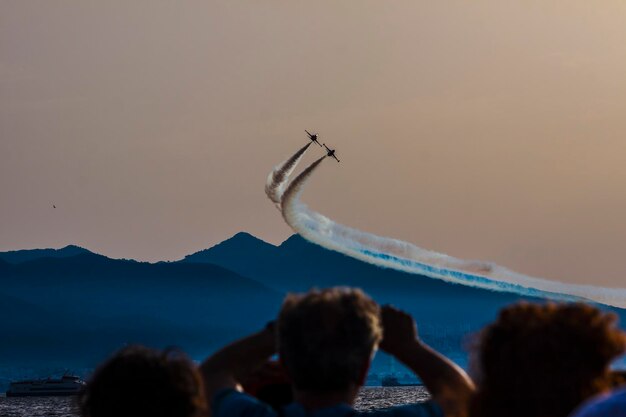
x,y
19,256
72,306
297,265
82,307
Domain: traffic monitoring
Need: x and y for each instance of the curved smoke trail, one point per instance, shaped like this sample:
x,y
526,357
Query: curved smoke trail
x,y
404,256
277,179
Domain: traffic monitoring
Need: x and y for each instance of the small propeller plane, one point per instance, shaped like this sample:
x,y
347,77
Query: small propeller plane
x,y
330,152
312,137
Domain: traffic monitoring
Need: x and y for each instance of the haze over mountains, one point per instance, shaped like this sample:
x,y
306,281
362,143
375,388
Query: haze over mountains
x,y
73,307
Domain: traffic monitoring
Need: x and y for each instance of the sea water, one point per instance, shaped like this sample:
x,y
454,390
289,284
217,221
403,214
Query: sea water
x,y
370,398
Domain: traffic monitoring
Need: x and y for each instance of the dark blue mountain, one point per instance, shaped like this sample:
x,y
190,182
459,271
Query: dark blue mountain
x,y
95,304
33,335
24,255
245,254
297,265
3,266
446,312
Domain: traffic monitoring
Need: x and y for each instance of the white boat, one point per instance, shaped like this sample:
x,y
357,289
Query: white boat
x,y
48,387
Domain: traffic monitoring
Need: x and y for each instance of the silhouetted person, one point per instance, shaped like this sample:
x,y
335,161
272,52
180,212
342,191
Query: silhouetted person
x,y
543,360
141,382
608,405
326,340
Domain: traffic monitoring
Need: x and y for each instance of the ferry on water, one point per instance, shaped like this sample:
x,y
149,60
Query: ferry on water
x,y
49,387
392,381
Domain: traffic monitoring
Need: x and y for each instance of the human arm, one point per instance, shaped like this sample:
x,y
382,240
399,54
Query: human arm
x,y
228,366
448,384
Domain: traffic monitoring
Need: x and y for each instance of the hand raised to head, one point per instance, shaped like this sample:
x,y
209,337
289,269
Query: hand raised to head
x,y
449,385
399,330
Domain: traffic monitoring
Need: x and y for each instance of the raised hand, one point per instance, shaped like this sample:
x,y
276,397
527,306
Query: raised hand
x,y
399,330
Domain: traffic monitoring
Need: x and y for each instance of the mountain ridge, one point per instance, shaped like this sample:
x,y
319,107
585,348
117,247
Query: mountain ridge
x,y
24,255
215,295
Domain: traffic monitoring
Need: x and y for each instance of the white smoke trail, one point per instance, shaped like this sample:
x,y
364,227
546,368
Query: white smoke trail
x,y
403,256
277,179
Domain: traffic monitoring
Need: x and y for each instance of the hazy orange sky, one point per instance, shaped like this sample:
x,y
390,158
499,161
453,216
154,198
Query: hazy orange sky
x,y
491,130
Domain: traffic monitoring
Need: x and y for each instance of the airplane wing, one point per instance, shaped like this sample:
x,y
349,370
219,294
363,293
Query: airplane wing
x,y
308,133
336,158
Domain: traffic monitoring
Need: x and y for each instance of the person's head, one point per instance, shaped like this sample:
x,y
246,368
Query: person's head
x,y
326,338
544,359
138,381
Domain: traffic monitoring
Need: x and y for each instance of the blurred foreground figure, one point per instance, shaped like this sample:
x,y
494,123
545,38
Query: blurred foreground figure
x,y
141,382
544,360
611,405
326,340
269,384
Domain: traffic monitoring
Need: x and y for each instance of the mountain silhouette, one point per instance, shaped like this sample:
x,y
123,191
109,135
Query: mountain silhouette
x,y
297,265
25,255
91,301
447,313
206,299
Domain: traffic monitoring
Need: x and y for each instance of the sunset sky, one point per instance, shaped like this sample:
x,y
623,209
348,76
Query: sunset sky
x,y
492,130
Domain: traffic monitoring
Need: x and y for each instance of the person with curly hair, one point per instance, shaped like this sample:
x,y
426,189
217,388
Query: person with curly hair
x,y
543,360
325,340
142,382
